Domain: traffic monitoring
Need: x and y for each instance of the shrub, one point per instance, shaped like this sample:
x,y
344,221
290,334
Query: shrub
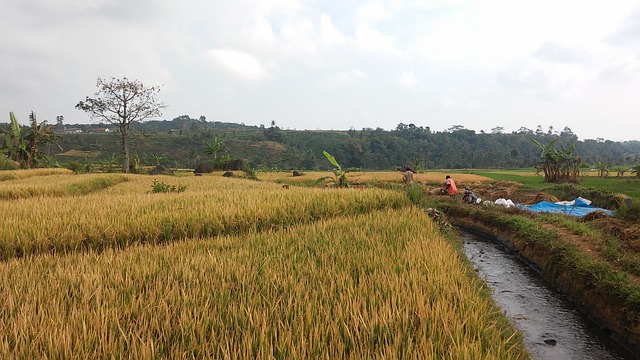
x,y
629,213
6,164
161,187
251,174
79,168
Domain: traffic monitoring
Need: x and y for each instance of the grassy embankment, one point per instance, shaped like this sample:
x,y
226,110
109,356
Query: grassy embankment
x,y
628,185
289,274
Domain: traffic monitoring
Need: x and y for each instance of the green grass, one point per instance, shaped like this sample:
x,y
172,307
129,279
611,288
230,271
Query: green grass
x,y
532,182
628,185
608,245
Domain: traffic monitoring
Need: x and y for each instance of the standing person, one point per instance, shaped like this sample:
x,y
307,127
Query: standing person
x,y
407,176
450,186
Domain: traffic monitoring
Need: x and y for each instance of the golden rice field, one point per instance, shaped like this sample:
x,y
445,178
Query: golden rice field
x,y
57,185
128,213
22,174
233,268
359,178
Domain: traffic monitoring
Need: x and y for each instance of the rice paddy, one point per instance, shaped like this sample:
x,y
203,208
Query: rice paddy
x,y
233,268
361,178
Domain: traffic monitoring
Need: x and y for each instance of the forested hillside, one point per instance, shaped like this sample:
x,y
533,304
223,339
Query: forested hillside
x,y
181,143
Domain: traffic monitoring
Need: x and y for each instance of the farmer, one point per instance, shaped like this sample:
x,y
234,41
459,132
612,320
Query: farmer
x,y
469,196
450,186
407,176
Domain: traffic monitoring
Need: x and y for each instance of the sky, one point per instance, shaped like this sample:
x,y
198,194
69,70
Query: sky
x,y
480,64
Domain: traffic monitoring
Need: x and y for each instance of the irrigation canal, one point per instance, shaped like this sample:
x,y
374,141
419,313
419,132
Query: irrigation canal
x,y
553,327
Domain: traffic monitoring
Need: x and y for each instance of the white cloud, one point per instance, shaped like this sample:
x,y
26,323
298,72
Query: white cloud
x,y
561,53
348,76
510,58
328,32
374,41
239,63
300,36
371,12
407,79
260,32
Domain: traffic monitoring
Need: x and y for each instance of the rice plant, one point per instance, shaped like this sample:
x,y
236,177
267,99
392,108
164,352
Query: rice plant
x,y
377,285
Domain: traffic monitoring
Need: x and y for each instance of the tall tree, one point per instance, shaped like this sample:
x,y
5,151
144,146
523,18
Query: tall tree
x,y
121,102
59,123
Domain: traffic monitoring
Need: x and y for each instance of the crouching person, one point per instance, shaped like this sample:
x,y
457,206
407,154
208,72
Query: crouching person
x,y
470,197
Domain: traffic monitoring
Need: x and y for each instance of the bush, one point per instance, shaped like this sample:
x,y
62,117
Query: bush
x,y
251,174
79,168
160,187
6,164
629,213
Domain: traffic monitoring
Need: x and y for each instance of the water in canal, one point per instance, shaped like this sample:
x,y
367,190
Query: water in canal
x,y
553,328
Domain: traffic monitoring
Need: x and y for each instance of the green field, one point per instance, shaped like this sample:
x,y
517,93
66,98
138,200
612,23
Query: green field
x,y
628,185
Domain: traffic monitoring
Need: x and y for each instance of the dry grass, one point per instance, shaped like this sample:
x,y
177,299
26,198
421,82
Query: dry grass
x,y
379,285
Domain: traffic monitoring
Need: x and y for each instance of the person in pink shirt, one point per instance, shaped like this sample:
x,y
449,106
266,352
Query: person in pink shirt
x,y
450,186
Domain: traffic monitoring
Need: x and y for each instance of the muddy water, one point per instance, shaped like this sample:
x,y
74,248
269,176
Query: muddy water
x,y
553,328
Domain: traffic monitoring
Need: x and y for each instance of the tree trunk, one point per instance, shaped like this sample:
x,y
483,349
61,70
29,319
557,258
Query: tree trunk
x,y
125,150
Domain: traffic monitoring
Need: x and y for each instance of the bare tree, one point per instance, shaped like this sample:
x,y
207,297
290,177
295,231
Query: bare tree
x,y
121,102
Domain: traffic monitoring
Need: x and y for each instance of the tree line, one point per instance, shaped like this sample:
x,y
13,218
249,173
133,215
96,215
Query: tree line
x,y
184,142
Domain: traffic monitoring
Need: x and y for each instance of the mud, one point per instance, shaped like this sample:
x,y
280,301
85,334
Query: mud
x,y
552,326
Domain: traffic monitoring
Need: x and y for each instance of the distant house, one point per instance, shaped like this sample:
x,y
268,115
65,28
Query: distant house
x,y
72,130
98,130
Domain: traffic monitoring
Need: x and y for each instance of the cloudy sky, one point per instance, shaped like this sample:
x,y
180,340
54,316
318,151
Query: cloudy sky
x,y
337,64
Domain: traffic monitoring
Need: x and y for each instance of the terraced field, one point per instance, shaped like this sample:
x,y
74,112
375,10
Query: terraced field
x,y
234,268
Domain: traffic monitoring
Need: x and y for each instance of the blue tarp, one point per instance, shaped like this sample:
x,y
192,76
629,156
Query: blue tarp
x,y
579,208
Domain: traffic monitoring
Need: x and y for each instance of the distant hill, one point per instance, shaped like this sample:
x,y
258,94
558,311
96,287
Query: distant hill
x,y
181,142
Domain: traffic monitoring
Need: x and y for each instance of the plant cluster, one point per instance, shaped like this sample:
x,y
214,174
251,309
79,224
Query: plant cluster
x,y
80,168
23,146
558,165
340,177
161,187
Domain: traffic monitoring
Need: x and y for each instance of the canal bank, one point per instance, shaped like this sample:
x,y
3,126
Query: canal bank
x,y
552,326
599,291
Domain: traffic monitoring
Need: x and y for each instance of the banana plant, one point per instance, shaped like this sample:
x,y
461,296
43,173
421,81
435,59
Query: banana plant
x,y
635,169
558,165
340,178
15,146
24,146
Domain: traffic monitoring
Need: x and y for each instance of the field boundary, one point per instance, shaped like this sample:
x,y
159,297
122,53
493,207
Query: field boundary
x,y
569,271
